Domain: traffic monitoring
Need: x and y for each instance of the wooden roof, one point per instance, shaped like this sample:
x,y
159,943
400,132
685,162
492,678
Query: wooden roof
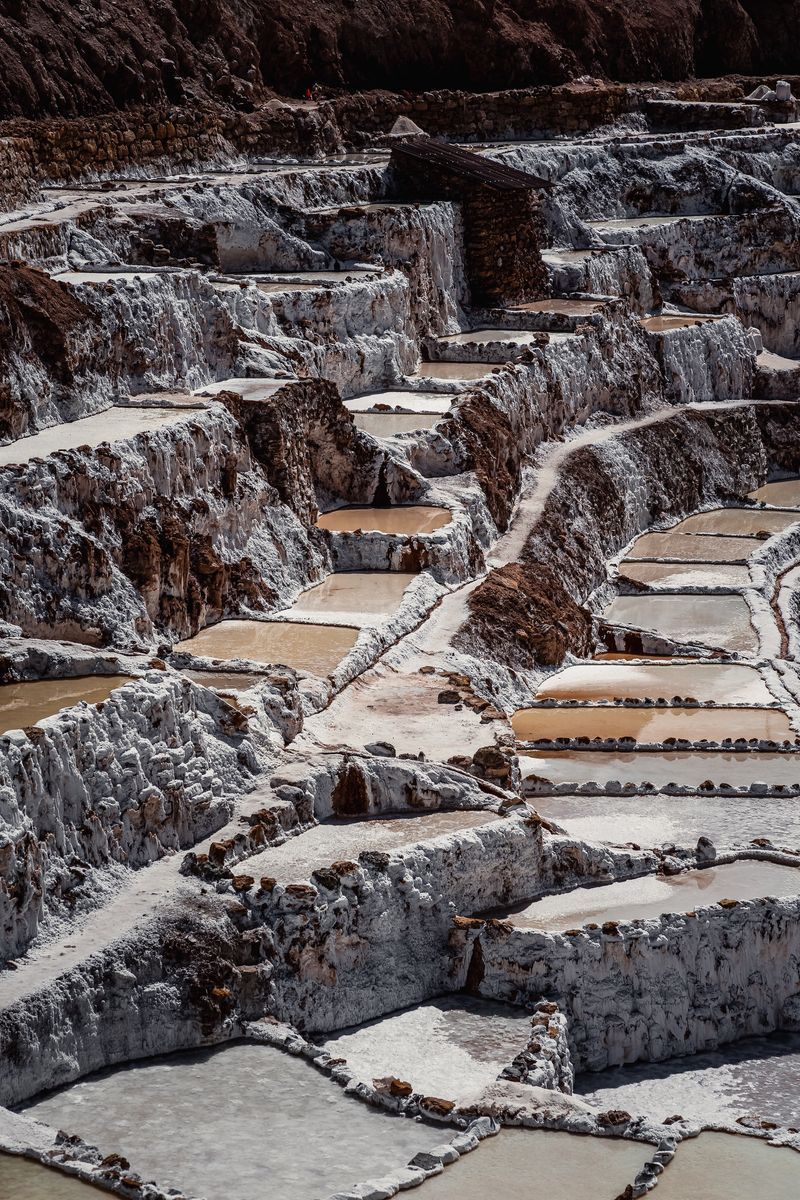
x,y
469,165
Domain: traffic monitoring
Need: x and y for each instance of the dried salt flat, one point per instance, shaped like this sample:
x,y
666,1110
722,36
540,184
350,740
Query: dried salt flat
x,y
277,1127
317,649
528,1164
659,820
455,370
757,1076
561,307
691,547
721,1166
668,321
746,522
112,425
340,840
21,1179
650,220
652,895
248,389
651,725
783,493
717,621
384,425
398,519
398,401
449,1047
363,594
111,276
481,337
224,681
724,683
689,768
676,576
23,704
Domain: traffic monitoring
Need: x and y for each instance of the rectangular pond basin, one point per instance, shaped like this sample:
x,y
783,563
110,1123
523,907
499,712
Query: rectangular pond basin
x,y
407,519
455,370
408,402
225,681
721,622
248,389
355,593
482,337
652,895
21,1179
340,840
315,648
755,1077
724,683
683,547
783,493
744,522
652,725
384,425
450,1047
676,576
658,820
23,704
690,768
536,1164
724,1166
244,1120
668,321
112,425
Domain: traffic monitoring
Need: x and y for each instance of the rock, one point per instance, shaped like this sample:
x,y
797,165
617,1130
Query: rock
x,y
381,749
448,696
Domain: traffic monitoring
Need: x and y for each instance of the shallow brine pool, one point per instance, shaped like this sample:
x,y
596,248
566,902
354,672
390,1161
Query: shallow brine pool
x,y
315,648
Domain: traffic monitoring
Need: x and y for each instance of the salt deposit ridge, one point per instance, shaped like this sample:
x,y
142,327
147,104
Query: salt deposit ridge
x,y
399,700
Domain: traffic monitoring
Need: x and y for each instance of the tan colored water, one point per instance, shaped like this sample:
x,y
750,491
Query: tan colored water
x,y
749,522
23,704
652,895
722,622
401,519
384,425
355,591
564,308
402,402
674,576
224,681
21,1179
480,337
652,724
535,1164
689,768
722,1166
455,370
113,425
724,683
664,323
315,648
690,548
343,840
784,493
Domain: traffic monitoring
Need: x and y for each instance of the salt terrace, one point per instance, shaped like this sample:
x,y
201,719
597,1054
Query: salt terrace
x,y
400,616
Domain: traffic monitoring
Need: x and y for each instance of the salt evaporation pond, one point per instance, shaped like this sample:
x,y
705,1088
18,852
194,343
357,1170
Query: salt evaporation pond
x,y
690,768
482,337
343,840
669,321
449,1047
243,1120
256,389
315,648
722,1166
436,403
21,1179
23,704
651,895
382,425
368,592
755,1077
561,307
658,820
399,519
718,621
783,493
651,725
686,547
528,1164
675,576
455,370
724,683
112,425
225,681
733,521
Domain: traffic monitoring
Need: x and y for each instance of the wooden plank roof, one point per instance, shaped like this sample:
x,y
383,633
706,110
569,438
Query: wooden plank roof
x,y
469,165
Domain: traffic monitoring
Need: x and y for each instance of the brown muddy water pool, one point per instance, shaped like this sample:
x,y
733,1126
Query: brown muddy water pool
x,y
724,683
756,1077
400,519
383,425
344,839
746,522
652,895
660,767
668,321
685,547
481,337
275,1126
225,681
659,820
23,704
112,425
722,1166
363,592
718,621
21,1179
783,493
563,308
455,370
315,648
449,1047
652,724
535,1164
676,576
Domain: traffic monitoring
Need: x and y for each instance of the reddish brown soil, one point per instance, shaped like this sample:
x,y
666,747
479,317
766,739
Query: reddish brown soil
x,y
74,59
